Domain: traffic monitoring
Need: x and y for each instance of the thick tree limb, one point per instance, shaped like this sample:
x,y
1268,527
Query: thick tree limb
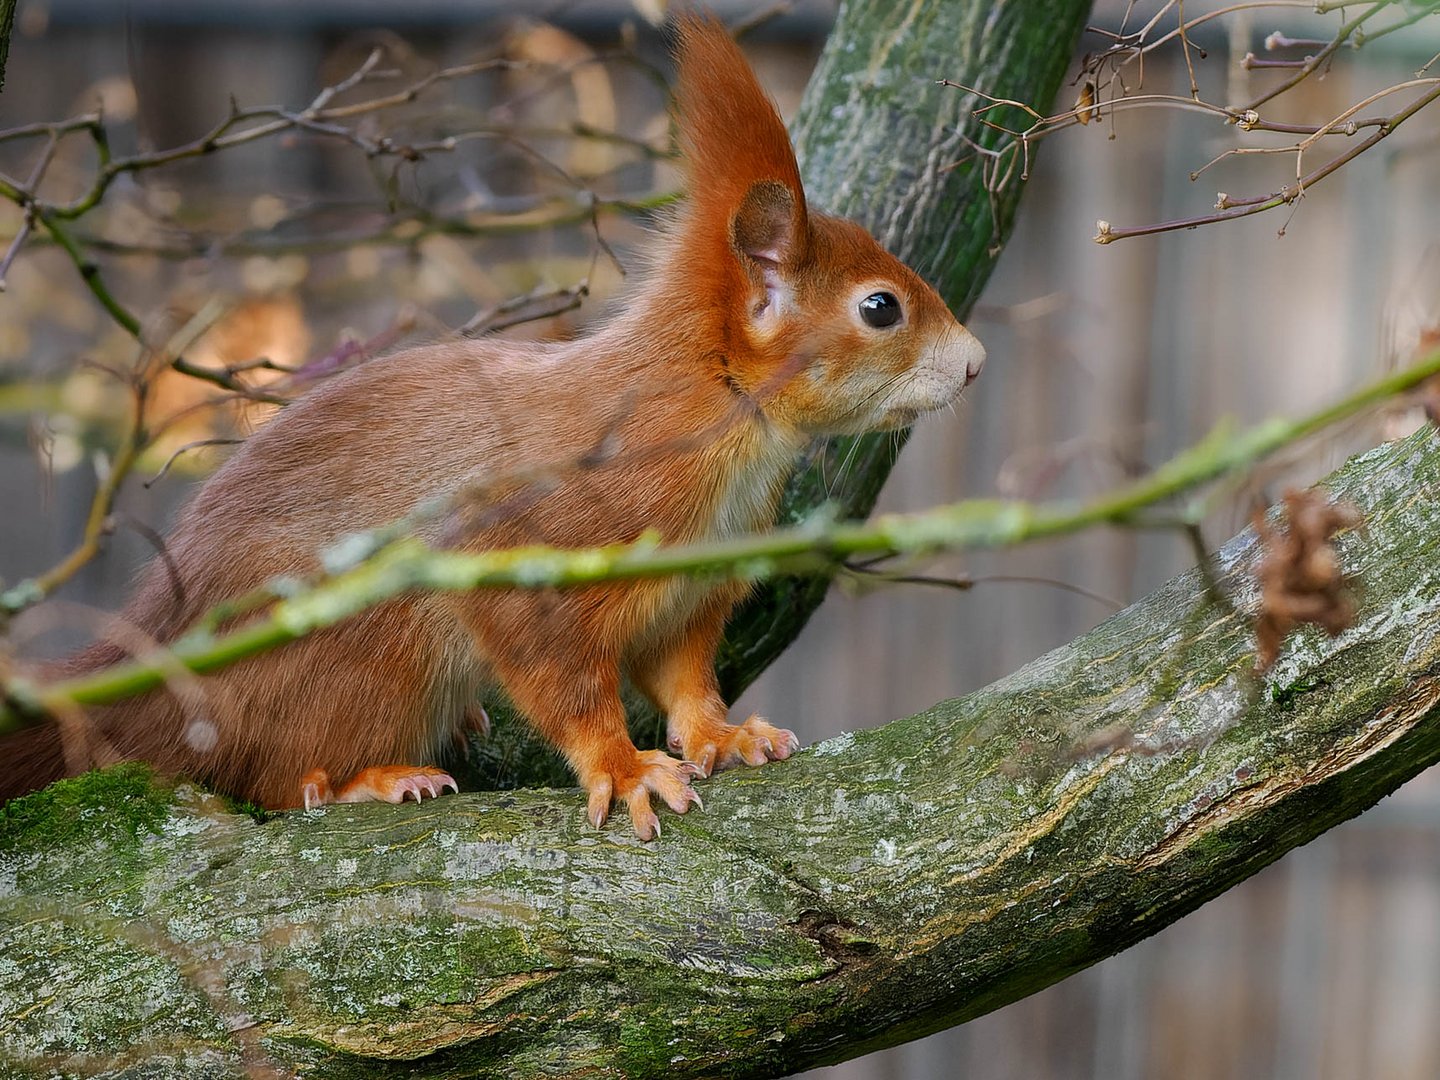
x,y
873,889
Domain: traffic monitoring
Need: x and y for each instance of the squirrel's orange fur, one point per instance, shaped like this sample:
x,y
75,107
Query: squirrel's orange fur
x,y
682,414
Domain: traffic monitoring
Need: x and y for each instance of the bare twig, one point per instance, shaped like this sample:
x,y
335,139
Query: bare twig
x,y
1313,63
867,571
98,523
323,118
543,303
1237,208
1106,92
752,21
196,445
17,241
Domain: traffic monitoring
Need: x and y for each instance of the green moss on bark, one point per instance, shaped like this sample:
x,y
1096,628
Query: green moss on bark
x,y
135,804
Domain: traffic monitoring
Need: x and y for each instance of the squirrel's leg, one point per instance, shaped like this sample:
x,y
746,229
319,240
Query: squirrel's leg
x,y
580,712
347,714
679,677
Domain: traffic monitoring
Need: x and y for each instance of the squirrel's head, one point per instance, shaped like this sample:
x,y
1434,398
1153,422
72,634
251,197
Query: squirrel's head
x,y
820,326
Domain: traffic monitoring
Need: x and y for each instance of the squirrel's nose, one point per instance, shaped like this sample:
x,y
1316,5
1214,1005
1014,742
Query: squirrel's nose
x,y
974,354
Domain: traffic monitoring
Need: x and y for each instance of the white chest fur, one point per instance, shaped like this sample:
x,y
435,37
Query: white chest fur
x,y
745,505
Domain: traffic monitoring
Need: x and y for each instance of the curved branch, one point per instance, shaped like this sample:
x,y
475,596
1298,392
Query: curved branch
x,y
870,890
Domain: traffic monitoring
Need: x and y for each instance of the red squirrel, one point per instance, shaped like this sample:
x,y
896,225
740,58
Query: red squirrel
x,y
760,323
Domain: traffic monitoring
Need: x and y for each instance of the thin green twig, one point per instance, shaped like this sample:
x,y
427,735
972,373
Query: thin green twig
x,y
406,565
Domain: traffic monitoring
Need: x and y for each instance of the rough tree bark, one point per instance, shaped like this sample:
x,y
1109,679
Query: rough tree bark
x,y
874,134
7,27
873,889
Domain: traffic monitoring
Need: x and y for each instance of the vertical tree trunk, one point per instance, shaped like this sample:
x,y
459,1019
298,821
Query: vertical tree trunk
x,y
7,27
875,136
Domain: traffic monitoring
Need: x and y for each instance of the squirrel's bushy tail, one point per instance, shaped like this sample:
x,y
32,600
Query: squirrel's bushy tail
x,y
30,759
35,756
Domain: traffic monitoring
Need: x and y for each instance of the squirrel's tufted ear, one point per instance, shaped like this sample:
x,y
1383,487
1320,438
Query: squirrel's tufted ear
x,y
743,181
763,228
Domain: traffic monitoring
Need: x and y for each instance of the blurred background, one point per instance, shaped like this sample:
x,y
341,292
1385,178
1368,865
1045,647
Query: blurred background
x,y
302,248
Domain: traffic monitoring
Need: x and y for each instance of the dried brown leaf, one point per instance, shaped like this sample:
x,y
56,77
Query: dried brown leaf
x,y
1301,580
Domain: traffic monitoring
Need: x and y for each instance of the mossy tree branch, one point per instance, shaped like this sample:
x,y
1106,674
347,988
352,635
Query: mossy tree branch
x,y
873,889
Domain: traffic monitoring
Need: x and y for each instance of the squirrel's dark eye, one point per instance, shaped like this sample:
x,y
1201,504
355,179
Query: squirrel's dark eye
x,y
880,310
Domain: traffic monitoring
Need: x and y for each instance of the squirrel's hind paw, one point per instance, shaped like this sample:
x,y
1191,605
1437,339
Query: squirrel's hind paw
x,y
653,771
381,783
754,742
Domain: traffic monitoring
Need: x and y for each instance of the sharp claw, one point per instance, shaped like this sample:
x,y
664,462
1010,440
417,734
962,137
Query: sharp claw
x,y
681,801
599,805
695,798
646,827
691,769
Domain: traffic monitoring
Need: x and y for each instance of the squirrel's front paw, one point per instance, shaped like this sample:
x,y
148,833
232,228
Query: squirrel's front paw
x,y
720,746
651,771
